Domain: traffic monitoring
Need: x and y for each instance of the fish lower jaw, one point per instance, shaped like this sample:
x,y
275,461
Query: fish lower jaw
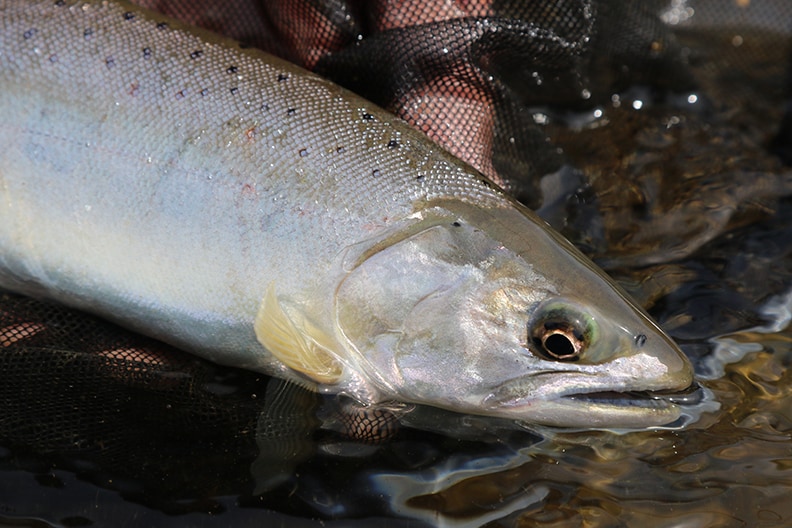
x,y
596,409
609,402
606,411
690,395
620,399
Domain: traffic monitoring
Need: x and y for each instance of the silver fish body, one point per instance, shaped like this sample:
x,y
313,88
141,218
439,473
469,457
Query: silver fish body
x,y
232,204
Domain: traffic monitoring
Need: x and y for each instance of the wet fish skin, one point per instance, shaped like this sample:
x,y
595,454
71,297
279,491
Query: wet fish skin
x,y
234,205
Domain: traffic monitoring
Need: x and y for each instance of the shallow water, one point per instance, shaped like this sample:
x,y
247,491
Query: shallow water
x,y
683,206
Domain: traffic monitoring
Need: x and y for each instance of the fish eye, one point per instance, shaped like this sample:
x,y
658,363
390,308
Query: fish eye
x,y
561,332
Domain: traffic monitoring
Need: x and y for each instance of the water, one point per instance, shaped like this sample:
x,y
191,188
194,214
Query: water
x,y
684,206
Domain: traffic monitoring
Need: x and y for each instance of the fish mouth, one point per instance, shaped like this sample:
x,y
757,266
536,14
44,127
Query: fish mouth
x,y
598,408
692,395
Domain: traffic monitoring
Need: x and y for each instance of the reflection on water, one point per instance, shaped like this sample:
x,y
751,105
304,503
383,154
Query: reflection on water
x,y
684,206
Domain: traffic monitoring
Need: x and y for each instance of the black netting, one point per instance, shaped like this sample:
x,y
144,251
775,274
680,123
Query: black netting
x,y
71,382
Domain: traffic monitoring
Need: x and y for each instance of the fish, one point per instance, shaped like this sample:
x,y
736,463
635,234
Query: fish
x,y
230,203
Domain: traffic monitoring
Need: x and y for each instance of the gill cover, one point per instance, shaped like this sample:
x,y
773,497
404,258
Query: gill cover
x,y
427,306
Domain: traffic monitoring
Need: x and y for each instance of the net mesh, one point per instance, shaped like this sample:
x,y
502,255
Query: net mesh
x,y
51,354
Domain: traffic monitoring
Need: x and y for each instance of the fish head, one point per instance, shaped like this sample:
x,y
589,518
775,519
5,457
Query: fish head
x,y
490,312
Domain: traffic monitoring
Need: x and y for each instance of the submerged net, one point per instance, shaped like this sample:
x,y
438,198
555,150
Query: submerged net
x,y
627,124
74,385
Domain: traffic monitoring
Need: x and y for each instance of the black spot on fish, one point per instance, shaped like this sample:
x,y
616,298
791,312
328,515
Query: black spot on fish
x,y
204,92
129,15
420,177
146,53
282,77
180,94
162,25
234,90
196,54
640,340
60,3
232,69
456,224
264,107
375,173
88,33
367,117
393,144
303,153
485,183
291,111
110,62
340,150
53,58
29,34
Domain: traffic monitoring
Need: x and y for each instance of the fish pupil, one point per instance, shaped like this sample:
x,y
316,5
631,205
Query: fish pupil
x,y
558,345
559,340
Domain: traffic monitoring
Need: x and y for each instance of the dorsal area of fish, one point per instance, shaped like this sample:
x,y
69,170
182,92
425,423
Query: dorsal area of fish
x,y
234,205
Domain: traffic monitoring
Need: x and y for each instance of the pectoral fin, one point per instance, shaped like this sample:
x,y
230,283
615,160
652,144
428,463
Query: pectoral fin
x,y
296,343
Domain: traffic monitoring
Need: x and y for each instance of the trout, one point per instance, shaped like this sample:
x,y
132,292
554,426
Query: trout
x,y
234,205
